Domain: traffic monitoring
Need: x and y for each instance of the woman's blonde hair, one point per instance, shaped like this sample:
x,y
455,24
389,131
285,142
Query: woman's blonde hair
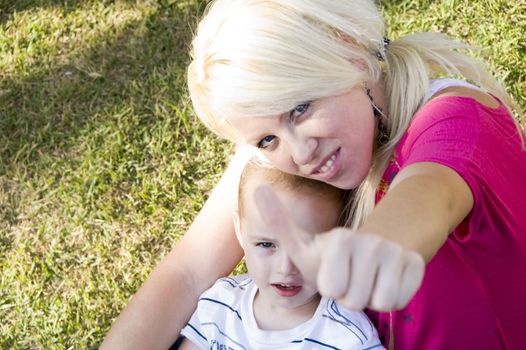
x,y
263,57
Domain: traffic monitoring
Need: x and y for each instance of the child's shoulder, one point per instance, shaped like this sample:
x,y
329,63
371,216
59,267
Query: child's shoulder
x,y
345,326
225,298
234,282
342,315
229,287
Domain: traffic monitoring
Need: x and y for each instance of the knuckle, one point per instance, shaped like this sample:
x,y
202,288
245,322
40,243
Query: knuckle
x,y
352,303
331,290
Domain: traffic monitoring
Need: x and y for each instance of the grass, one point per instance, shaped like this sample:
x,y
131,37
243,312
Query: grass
x,y
102,164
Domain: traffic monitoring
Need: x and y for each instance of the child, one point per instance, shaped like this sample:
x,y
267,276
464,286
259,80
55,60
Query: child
x,y
274,307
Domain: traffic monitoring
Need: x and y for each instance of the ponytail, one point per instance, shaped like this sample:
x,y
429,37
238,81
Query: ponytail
x,y
411,62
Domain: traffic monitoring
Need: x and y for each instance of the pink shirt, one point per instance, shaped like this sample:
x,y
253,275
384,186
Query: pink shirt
x,y
474,291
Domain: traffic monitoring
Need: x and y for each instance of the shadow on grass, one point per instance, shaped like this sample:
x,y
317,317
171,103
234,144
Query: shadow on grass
x,y
45,115
43,111
9,7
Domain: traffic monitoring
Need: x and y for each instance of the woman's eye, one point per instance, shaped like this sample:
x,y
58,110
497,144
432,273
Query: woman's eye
x,y
299,110
266,141
265,245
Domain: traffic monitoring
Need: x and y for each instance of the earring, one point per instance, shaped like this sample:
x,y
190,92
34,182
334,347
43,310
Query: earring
x,y
383,134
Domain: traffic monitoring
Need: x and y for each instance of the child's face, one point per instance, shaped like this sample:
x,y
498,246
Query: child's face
x,y
279,282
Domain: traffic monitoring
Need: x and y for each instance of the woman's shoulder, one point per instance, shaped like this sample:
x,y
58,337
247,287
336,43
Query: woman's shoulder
x,y
459,88
469,106
464,129
455,122
466,92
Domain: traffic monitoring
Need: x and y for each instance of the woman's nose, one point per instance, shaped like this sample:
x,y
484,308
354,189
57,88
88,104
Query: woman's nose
x,y
302,149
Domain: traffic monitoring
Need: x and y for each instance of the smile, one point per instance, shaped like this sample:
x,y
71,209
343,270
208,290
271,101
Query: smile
x,y
329,167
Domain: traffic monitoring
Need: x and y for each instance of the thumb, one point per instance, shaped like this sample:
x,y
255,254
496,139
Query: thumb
x,y
298,244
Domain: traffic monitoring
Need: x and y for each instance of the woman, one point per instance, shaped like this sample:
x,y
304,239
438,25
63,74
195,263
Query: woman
x,y
435,170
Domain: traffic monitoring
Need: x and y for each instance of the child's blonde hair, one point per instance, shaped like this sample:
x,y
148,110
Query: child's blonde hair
x,y
264,173
263,57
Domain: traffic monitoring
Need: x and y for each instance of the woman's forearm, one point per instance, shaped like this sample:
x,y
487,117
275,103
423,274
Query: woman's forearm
x,y
209,250
157,312
424,204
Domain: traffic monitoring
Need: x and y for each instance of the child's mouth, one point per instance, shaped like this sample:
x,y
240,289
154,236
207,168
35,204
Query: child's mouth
x,y
286,290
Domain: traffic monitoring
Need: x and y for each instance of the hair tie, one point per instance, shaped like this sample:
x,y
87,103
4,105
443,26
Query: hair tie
x,y
380,54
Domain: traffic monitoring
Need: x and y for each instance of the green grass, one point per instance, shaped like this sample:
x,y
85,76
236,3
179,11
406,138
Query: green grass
x,y
102,164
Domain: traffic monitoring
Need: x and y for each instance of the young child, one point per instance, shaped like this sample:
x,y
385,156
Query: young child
x,y
274,307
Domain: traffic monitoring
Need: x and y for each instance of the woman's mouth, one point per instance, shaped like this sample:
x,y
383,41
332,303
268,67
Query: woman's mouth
x,y
329,168
286,290
328,164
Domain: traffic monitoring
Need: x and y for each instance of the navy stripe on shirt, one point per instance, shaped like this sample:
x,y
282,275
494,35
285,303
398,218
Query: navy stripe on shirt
x,y
198,333
345,325
315,341
223,333
235,284
225,305
336,310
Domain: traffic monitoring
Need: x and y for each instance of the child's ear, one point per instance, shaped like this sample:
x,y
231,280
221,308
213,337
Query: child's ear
x,y
237,227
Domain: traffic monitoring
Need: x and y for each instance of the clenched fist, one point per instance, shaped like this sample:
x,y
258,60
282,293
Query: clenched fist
x,y
359,269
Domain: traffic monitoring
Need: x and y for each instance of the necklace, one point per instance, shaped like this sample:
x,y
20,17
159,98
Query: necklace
x,y
390,172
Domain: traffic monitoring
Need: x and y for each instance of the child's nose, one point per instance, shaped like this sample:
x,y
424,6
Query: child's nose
x,y
287,267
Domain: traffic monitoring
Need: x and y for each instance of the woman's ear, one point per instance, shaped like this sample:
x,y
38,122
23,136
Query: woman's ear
x,y
237,227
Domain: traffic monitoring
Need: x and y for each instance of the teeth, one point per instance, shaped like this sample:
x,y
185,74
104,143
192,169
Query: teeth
x,y
282,286
328,164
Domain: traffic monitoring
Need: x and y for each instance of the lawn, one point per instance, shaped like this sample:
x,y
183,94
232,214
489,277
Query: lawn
x,y
102,163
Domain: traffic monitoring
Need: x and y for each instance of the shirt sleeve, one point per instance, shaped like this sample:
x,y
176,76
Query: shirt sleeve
x,y
449,133
198,330
195,333
479,143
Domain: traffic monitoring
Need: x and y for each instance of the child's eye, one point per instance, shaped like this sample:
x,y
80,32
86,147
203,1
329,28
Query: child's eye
x,y
266,141
265,245
299,110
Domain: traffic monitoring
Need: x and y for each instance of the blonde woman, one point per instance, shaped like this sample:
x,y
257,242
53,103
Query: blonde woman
x,y
435,170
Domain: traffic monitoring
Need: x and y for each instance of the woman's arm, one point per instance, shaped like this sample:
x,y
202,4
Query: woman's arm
x,y
425,202
209,249
382,264
187,345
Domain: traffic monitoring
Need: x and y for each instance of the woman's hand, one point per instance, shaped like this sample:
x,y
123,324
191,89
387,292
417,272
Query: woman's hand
x,y
358,269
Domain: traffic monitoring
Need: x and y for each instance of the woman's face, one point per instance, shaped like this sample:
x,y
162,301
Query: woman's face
x,y
329,140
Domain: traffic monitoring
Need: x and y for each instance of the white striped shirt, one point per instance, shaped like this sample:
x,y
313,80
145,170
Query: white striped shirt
x,y
224,320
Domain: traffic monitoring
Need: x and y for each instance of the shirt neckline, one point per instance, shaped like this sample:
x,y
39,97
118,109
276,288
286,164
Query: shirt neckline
x,y
269,338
